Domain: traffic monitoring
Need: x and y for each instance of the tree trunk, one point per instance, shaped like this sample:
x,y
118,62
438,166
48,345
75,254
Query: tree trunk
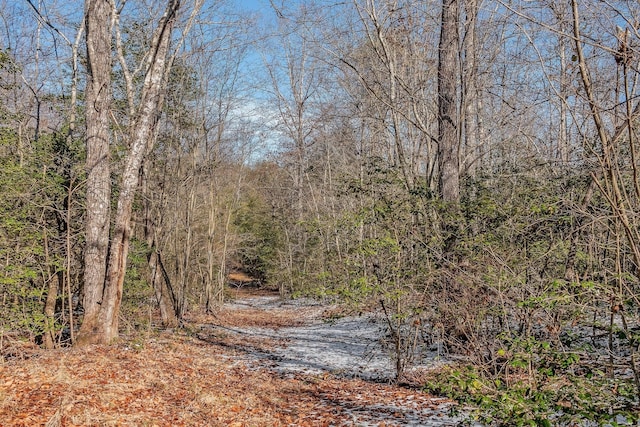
x,y
158,275
141,136
163,289
448,135
54,281
98,101
211,290
471,91
102,325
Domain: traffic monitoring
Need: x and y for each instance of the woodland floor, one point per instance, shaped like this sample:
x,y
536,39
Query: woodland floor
x,y
259,362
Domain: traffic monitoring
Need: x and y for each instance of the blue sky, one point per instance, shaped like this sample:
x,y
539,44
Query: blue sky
x,y
257,5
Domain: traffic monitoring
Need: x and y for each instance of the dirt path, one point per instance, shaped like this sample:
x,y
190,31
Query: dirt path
x,y
295,340
260,362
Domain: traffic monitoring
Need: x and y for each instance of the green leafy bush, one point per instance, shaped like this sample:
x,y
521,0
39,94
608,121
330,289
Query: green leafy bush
x,y
539,397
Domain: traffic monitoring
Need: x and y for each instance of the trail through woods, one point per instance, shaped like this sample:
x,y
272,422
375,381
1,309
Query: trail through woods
x,y
259,362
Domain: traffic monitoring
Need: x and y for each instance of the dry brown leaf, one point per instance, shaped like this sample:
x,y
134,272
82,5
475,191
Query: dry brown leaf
x,y
178,380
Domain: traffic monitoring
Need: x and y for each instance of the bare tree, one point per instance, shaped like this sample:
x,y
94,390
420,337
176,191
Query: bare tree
x,y
98,197
619,187
101,324
448,115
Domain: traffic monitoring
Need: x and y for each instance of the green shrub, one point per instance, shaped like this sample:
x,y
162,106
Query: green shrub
x,y
543,397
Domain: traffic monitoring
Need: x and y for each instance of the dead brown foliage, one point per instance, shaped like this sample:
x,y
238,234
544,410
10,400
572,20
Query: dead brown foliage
x,y
253,317
176,381
187,379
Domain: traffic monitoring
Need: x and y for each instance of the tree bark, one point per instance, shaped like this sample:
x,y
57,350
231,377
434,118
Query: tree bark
x,y
98,102
141,136
471,91
102,325
448,120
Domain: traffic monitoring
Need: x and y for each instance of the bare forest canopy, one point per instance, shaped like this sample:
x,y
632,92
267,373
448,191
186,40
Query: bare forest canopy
x,y
469,169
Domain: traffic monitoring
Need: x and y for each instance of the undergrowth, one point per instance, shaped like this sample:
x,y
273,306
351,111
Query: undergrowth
x,y
543,398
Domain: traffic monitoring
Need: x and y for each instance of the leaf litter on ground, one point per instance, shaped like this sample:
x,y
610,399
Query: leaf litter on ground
x,y
259,362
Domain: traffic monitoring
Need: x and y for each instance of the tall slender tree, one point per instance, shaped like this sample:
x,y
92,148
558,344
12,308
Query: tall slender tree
x,y
448,115
98,101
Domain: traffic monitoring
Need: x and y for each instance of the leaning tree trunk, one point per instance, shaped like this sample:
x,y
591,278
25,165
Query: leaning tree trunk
x,y
163,289
105,329
158,275
141,136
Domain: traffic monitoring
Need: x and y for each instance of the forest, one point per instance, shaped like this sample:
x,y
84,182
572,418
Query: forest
x,y
467,170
